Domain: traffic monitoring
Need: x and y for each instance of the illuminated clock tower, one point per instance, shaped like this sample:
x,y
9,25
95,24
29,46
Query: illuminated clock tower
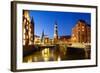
x,y
55,33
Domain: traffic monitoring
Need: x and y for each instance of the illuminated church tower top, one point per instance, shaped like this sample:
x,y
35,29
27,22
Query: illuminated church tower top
x,y
55,33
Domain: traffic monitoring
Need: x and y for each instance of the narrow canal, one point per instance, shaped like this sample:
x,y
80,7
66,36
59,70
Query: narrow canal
x,y
57,54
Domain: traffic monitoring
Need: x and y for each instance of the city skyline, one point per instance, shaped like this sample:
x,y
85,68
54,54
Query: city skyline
x,y
45,21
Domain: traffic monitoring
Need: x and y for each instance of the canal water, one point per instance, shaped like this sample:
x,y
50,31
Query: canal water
x,y
57,54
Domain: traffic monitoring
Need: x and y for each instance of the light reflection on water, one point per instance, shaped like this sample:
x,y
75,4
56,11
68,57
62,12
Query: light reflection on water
x,y
46,54
59,59
54,54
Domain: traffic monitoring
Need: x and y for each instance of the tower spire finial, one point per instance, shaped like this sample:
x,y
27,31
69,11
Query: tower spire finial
x,y
55,32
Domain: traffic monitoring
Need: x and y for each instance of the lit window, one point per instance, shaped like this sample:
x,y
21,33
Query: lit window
x,y
23,36
27,36
27,23
23,42
82,29
30,29
24,30
73,35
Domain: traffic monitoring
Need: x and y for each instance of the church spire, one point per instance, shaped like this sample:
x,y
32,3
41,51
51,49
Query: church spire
x,y
42,37
55,32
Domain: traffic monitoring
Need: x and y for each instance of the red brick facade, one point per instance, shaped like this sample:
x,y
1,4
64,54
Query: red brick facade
x,y
81,33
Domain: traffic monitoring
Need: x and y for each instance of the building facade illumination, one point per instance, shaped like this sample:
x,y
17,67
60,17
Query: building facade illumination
x,y
28,29
81,33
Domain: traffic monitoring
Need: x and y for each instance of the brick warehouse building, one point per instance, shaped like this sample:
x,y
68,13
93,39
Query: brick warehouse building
x,y
81,33
28,29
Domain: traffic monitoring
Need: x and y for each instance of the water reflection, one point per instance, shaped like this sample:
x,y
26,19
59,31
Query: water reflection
x,y
46,54
29,59
57,54
59,59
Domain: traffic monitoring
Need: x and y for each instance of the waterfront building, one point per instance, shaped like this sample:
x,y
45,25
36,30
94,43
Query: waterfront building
x,y
37,39
81,33
46,40
65,39
28,29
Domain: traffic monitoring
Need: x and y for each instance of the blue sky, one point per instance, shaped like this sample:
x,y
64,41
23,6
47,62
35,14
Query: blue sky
x,y
45,20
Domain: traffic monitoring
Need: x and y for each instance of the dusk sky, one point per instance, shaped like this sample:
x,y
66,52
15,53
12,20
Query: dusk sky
x,y
45,20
